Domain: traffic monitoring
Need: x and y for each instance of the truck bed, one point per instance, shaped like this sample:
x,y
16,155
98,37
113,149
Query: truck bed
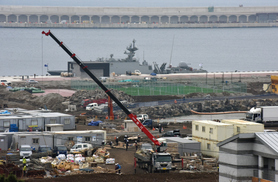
x,y
142,157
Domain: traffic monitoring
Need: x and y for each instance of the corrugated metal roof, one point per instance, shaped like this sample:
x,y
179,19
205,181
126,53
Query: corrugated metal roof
x,y
270,139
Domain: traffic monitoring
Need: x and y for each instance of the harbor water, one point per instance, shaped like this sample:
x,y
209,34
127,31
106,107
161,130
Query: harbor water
x,y
25,51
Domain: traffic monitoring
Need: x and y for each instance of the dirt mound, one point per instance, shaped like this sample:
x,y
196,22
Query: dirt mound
x,y
80,95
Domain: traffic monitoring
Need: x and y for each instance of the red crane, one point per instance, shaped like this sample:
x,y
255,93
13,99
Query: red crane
x,y
85,68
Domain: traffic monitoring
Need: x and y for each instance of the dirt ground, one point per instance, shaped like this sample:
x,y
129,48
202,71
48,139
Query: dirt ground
x,y
125,159
174,177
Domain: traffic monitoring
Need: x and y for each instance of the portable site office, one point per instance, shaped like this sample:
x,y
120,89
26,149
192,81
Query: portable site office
x,y
94,137
34,139
26,118
21,121
55,118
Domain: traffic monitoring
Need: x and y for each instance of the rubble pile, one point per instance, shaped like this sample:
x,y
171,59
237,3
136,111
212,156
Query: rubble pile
x,y
196,162
76,164
80,95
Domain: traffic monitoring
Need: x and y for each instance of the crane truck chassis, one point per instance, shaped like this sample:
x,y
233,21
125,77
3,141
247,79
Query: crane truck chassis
x,y
153,162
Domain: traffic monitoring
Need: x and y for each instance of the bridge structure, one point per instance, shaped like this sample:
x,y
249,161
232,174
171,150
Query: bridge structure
x,y
42,16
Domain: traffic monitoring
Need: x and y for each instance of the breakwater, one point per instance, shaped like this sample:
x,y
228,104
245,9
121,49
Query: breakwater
x,y
136,25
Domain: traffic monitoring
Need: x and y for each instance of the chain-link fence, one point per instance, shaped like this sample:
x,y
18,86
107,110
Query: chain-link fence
x,y
166,87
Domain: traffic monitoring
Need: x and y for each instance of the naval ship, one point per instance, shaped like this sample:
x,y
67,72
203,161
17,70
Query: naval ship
x,y
181,68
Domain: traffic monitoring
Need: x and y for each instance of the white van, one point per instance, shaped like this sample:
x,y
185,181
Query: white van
x,y
80,146
25,151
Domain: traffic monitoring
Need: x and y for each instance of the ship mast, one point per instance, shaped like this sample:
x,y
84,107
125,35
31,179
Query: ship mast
x,y
170,65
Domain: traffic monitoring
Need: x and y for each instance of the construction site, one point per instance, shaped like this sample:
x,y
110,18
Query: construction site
x,y
120,129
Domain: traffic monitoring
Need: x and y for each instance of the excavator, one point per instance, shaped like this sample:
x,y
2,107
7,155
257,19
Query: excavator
x,y
158,160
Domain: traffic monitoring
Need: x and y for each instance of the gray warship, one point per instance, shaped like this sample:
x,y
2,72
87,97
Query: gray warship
x,y
130,63
181,68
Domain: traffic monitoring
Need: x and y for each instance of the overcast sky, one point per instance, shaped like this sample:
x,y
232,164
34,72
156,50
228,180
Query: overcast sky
x,y
142,3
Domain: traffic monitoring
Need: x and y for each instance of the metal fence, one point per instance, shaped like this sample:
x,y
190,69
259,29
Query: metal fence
x,y
166,87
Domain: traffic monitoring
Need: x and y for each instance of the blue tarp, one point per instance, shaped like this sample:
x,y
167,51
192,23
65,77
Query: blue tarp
x,y
5,112
94,123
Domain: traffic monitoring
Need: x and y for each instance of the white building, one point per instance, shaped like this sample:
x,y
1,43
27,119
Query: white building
x,y
248,157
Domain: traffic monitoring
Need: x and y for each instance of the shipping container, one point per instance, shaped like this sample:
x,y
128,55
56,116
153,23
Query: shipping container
x,y
184,145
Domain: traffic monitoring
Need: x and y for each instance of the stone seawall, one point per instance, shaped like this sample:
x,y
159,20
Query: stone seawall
x,y
137,26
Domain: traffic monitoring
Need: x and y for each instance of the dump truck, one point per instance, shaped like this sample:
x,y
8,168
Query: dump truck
x,y
153,161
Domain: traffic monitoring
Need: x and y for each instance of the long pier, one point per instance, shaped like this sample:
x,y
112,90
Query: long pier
x,y
113,17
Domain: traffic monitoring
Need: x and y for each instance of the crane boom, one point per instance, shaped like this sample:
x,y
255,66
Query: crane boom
x,y
85,68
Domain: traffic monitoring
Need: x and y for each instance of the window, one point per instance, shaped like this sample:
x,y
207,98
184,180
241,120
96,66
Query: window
x,y
208,146
197,127
203,129
34,122
6,123
211,130
70,138
87,139
52,121
35,140
238,129
67,121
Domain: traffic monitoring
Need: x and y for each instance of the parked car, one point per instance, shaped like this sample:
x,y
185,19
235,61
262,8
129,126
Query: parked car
x,y
177,132
174,133
32,81
60,149
44,148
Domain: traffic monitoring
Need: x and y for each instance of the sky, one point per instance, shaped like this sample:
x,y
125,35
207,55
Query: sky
x,y
142,3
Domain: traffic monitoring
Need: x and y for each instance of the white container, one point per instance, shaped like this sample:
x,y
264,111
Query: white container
x,y
241,126
211,130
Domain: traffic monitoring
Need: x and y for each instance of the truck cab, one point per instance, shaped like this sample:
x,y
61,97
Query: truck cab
x,y
142,117
254,114
161,162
